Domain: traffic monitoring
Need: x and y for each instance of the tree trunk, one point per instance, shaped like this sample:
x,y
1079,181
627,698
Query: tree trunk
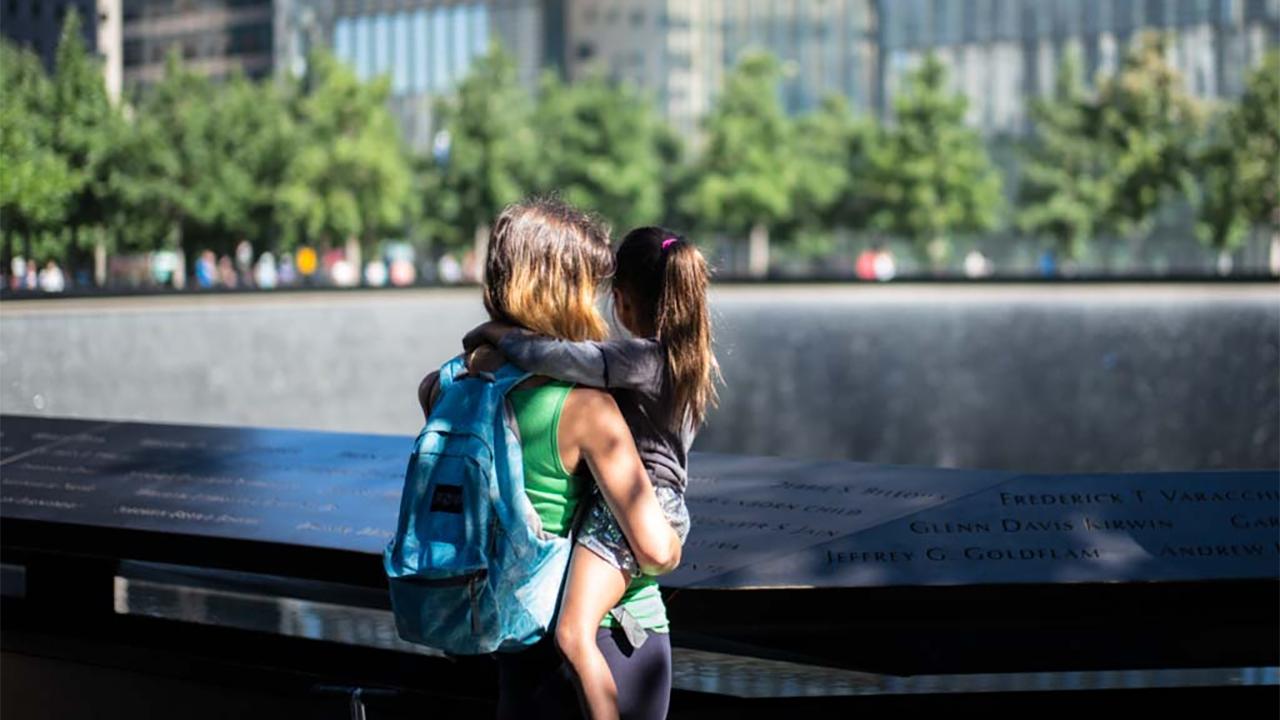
x,y
180,269
481,248
100,257
353,254
1224,261
1274,260
938,250
7,259
758,251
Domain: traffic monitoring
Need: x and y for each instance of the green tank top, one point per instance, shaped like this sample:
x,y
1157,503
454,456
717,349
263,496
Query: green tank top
x,y
555,493
553,490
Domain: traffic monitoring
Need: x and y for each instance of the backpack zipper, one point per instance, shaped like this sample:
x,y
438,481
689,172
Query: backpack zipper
x,y
446,581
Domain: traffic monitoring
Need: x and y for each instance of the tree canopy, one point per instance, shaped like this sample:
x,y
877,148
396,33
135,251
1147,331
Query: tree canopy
x,y
746,174
1146,125
191,162
1063,188
349,177
599,147
932,175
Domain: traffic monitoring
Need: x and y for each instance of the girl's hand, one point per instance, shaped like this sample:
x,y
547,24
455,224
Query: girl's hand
x,y
489,333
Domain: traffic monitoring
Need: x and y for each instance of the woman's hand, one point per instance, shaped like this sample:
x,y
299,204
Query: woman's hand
x,y
489,333
592,425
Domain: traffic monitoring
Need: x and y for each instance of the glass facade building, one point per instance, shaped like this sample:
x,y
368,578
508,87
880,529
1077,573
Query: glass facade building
x,y
1003,53
214,37
424,51
681,50
424,47
1000,53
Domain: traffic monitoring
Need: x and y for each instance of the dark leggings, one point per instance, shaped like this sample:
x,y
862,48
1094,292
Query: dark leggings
x,y
538,683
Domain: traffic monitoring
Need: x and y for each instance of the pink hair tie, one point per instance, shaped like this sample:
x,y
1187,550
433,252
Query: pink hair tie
x,y
669,242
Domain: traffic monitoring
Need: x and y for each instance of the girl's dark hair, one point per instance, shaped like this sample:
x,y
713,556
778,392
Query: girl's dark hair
x,y
665,277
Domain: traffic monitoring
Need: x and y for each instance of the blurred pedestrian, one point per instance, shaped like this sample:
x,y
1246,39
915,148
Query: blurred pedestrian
x,y
341,272
288,273
976,265
470,267
51,278
244,263
402,272
449,269
375,273
1048,263
308,262
206,269
264,272
226,272
885,267
865,267
18,272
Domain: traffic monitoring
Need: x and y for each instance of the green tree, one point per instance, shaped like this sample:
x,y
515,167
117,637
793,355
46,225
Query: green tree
x,y
488,149
831,151
169,168
1240,166
599,147
677,177
36,183
87,128
932,176
1062,192
253,137
349,178
1147,125
822,152
1257,125
746,173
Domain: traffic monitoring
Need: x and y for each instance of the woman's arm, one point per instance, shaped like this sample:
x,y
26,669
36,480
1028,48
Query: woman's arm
x,y
626,364
593,431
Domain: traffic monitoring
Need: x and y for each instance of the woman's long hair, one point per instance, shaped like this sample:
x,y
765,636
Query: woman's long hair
x,y
665,277
546,262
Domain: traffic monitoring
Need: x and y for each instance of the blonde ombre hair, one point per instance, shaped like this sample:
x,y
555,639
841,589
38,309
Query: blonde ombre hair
x,y
547,259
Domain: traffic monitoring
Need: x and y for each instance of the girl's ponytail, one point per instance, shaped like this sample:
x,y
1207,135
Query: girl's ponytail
x,y
668,277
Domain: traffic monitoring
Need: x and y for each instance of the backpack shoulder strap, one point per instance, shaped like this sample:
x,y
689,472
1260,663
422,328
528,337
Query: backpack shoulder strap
x,y
452,369
508,377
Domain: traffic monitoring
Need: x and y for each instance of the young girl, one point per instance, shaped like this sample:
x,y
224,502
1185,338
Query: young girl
x,y
663,381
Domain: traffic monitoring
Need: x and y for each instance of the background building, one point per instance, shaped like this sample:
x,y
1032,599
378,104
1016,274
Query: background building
x,y
425,46
37,24
680,51
214,37
1003,53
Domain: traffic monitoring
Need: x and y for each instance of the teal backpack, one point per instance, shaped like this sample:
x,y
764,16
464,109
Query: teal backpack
x,y
469,569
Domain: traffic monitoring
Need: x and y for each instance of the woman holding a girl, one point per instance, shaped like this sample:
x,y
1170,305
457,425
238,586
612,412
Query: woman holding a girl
x,y
605,429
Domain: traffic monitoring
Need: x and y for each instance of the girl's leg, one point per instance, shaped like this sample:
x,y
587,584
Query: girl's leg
x,y
591,590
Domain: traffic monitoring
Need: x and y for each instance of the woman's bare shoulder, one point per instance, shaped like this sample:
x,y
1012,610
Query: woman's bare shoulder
x,y
590,400
590,409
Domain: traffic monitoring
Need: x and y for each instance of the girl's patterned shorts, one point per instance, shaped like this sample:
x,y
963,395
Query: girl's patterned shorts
x,y
600,533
